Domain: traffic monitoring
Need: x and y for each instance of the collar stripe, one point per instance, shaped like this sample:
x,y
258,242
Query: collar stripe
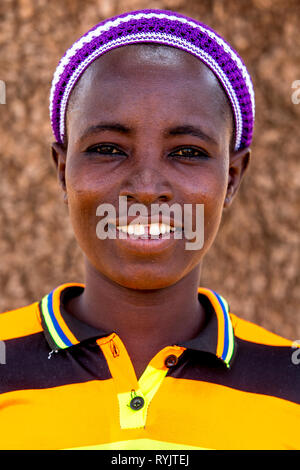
x,y
54,328
225,342
58,316
57,326
49,324
228,344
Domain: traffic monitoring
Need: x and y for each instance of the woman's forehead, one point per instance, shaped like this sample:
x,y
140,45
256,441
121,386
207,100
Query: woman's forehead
x,y
146,65
146,52
131,86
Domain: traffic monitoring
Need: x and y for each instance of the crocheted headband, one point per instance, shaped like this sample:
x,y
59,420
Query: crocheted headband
x,y
159,27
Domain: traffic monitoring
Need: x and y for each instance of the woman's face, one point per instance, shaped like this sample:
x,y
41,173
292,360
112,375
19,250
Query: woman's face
x,y
163,136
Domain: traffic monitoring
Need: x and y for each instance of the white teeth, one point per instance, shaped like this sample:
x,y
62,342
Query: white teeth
x,y
139,229
154,229
130,230
163,229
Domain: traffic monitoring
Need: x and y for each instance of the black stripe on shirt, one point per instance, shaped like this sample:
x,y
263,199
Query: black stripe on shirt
x,y
28,367
257,368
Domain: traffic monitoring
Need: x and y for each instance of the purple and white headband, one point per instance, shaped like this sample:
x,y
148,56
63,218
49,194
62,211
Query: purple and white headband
x,y
159,27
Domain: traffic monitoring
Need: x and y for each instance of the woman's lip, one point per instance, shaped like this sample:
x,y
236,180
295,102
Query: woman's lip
x,y
145,236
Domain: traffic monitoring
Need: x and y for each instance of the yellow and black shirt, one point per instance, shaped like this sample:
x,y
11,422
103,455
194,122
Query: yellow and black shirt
x,y
66,385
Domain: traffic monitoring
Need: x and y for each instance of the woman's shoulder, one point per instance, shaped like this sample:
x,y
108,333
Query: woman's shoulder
x,y
252,332
20,322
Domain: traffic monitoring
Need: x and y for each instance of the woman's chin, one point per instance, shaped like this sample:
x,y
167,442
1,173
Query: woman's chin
x,y
144,280
150,283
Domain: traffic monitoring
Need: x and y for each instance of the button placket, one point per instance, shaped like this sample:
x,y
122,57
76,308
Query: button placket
x,y
132,404
134,396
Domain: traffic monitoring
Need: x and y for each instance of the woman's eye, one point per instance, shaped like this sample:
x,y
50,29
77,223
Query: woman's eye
x,y
189,153
105,150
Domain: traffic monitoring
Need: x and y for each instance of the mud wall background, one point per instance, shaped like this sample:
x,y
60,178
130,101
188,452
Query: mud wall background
x,y
255,260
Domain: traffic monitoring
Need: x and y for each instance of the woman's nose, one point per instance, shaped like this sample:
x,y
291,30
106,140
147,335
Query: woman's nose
x,y
147,186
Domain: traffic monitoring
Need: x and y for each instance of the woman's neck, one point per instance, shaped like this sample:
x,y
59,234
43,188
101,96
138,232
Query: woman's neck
x,y
145,320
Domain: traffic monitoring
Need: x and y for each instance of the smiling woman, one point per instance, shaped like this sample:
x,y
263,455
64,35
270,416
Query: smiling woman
x,y
158,110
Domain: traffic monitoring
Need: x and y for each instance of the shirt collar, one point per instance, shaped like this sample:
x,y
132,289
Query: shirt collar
x,y
63,330
217,336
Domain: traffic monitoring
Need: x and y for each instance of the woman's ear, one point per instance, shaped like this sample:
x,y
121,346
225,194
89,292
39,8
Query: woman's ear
x,y
238,163
59,156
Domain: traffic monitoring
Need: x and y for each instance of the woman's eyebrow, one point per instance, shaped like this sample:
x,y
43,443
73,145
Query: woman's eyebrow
x,y
112,126
190,130
117,127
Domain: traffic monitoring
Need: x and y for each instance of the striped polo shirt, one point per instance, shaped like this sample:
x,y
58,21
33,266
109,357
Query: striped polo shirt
x,y
66,385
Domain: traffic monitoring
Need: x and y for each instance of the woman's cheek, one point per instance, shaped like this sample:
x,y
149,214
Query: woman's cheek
x,y
82,206
213,201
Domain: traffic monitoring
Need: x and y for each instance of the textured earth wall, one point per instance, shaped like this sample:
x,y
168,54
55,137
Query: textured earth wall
x,y
255,260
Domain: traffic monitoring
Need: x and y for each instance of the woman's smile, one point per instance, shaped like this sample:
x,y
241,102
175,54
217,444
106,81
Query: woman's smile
x,y
146,243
